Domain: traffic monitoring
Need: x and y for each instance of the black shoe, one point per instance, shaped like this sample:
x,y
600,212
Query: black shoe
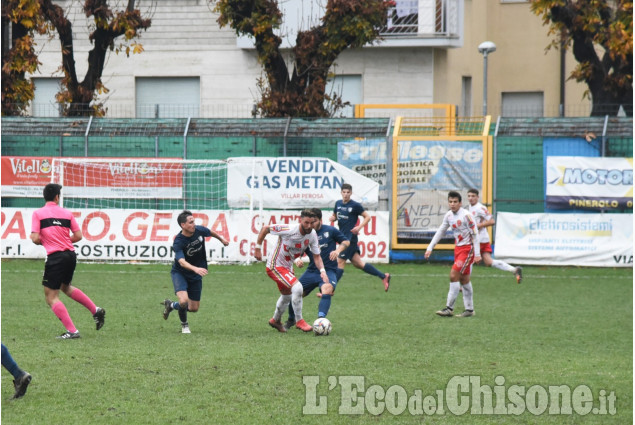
x,y
289,324
446,312
519,274
167,304
99,316
69,335
21,384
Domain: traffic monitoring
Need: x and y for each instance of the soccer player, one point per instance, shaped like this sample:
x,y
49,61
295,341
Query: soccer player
x,y
292,241
328,239
51,227
466,251
21,379
189,267
346,213
483,220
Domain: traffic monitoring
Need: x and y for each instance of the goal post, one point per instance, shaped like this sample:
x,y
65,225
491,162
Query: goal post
x,y
141,183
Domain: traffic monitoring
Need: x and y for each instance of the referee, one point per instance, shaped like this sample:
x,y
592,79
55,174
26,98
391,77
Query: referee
x,y
56,230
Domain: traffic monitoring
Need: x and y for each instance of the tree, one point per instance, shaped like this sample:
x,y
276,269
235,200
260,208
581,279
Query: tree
x,y
80,97
301,92
19,58
600,33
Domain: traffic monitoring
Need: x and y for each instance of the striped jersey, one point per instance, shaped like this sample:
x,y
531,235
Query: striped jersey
x,y
462,226
291,244
480,214
55,225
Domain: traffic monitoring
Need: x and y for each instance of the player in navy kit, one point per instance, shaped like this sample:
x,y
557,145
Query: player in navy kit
x,y
346,214
190,265
328,238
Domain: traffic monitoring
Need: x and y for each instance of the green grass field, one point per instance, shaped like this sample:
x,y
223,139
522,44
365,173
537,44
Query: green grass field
x,y
560,327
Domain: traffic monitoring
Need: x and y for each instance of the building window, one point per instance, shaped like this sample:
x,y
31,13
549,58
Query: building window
x,y
349,88
44,103
466,97
167,97
523,104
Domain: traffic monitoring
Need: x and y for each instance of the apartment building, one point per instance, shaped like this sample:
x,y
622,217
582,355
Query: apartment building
x,y
428,54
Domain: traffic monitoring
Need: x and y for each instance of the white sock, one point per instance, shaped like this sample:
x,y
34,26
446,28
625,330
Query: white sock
x,y
281,306
468,296
296,299
452,294
501,265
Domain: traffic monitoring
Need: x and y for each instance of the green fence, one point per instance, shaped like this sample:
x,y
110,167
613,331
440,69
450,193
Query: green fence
x,y
518,143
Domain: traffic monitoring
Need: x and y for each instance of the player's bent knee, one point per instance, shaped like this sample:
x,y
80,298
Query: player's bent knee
x,y
327,289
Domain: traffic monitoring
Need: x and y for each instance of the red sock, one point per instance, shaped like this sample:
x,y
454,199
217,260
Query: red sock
x,y
83,299
59,309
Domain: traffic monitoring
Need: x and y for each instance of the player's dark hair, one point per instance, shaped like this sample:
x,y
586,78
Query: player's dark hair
x,y
347,186
51,190
317,213
182,218
454,194
307,213
474,191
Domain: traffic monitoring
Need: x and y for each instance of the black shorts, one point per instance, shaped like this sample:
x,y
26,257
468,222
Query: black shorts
x,y
59,269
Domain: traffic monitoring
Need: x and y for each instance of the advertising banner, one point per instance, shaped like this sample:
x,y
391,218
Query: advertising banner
x,y
25,177
428,170
294,182
119,178
601,240
113,178
147,235
589,183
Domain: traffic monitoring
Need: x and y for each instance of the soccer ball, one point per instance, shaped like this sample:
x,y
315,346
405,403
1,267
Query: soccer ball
x,y
322,326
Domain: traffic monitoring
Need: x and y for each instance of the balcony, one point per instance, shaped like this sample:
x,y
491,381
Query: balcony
x,y
410,23
435,23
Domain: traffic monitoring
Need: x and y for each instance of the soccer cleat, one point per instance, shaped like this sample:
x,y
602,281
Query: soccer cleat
x,y
21,384
167,304
277,324
446,312
100,317
289,324
386,281
185,328
69,335
466,313
519,274
303,326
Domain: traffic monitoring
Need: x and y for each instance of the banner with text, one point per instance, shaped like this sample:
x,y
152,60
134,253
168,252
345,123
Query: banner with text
x,y
428,170
114,178
601,240
25,177
294,182
147,235
589,183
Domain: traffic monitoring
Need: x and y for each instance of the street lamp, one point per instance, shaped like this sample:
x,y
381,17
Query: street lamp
x,y
485,48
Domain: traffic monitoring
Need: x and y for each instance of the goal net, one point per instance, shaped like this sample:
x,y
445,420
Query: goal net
x,y
141,183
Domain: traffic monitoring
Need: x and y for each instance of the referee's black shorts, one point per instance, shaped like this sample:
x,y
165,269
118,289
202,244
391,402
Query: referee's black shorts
x,y
59,269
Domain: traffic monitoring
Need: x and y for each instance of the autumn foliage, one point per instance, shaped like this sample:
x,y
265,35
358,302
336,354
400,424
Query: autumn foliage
x,y
44,16
298,89
600,33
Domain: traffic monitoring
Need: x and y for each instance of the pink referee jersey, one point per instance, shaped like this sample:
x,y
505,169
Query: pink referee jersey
x,y
54,224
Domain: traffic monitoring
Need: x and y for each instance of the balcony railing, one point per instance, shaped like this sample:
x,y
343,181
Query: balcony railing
x,y
423,19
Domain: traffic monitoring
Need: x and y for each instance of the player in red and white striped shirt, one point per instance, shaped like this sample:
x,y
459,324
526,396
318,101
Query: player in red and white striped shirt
x,y
293,240
466,251
483,220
